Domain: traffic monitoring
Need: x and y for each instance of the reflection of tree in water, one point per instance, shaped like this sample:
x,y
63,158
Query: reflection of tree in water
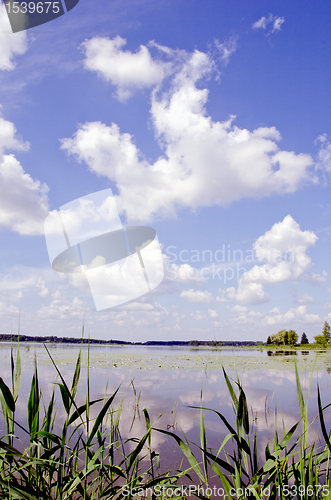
x,y
281,353
328,369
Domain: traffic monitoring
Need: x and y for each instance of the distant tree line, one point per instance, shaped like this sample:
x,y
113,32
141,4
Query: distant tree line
x,y
284,337
223,343
212,343
8,337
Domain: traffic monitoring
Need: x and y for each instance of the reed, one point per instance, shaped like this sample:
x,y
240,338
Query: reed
x,y
291,469
87,458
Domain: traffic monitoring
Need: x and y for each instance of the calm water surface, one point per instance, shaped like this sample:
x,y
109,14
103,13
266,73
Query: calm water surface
x,y
168,390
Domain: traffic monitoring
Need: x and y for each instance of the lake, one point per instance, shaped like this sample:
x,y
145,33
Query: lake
x,y
169,380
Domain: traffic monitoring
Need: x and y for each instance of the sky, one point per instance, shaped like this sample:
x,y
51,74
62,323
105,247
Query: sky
x,y
210,123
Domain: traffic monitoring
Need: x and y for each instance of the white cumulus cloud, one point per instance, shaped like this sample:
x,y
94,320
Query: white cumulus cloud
x,y
11,44
316,279
184,273
61,308
204,162
248,293
124,69
273,320
298,315
23,200
283,248
198,316
304,299
197,296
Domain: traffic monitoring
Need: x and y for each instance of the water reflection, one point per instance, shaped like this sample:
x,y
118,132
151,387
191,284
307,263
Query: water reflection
x,y
283,353
168,393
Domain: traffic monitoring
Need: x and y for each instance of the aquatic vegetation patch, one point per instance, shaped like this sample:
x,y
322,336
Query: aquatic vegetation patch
x,y
71,455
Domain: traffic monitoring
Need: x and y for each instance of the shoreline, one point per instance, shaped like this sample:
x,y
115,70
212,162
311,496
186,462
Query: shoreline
x,y
149,344
151,357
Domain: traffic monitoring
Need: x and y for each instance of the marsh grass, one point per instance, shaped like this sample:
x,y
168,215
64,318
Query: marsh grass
x,y
86,458
292,468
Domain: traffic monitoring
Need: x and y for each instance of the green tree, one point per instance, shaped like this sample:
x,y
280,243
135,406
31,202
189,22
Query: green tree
x,y
286,338
292,337
320,340
326,332
304,339
269,340
279,338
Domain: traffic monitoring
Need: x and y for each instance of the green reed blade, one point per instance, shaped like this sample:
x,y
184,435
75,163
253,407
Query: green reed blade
x,y
77,413
65,397
51,452
187,452
226,466
203,443
227,486
288,436
245,415
135,453
33,404
52,437
61,377
84,474
76,376
16,384
48,417
100,417
8,397
300,395
148,425
88,387
231,390
12,367
19,493
320,411
245,446
11,450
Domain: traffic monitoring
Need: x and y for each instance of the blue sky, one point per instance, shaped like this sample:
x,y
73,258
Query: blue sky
x,y
210,123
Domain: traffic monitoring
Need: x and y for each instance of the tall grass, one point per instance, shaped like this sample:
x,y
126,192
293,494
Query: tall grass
x,y
292,468
87,458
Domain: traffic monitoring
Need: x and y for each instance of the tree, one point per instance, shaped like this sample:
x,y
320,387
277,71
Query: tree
x,y
269,340
286,342
279,338
320,340
292,337
326,332
304,339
